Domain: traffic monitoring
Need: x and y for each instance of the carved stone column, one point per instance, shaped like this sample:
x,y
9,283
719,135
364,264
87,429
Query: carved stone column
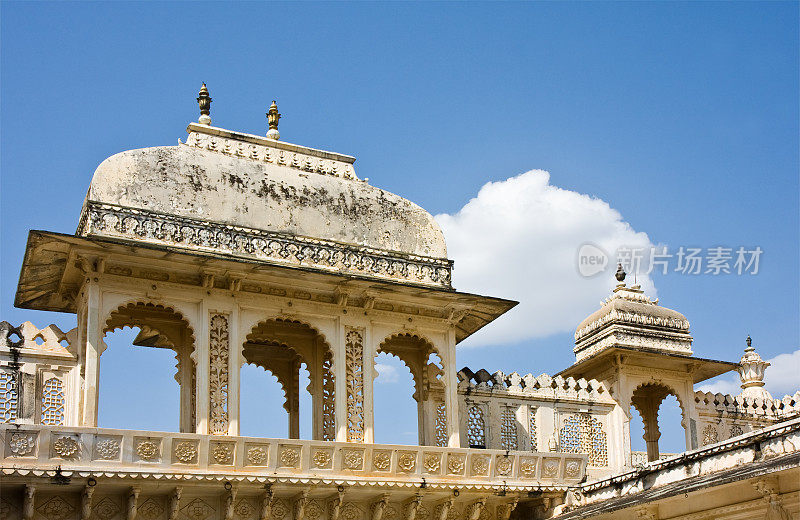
x,y
451,390
91,337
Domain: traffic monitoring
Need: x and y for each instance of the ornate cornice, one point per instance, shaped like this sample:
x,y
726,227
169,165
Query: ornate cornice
x,y
274,152
282,249
617,316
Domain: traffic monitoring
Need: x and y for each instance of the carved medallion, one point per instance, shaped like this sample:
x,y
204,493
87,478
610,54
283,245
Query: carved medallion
x,y
455,464
66,447
572,469
290,457
222,454
381,460
107,449
407,461
353,459
106,509
350,512
480,465
528,468
244,509
150,509
503,465
185,452
147,450
197,509
279,510
22,444
322,458
256,456
550,468
433,461
55,509
313,510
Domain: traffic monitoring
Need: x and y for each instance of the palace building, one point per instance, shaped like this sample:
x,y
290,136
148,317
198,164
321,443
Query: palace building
x,y
232,249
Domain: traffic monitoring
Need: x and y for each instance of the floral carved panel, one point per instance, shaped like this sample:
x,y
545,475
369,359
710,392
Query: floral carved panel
x,y
218,352
354,360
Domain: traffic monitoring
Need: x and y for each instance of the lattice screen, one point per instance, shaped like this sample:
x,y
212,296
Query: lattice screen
x,y
532,426
328,405
441,424
582,433
476,427
354,355
508,429
710,435
8,397
53,402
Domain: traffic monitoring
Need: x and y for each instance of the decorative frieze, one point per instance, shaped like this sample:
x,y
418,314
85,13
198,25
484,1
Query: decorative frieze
x,y
169,230
200,457
297,160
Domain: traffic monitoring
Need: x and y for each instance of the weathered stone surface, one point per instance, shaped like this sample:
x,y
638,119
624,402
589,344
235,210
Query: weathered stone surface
x,y
216,186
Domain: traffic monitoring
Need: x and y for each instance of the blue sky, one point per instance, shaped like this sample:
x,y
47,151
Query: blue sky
x,y
683,117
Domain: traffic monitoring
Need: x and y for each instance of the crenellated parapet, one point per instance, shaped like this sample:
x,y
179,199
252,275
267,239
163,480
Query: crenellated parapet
x,y
543,386
38,371
537,413
723,416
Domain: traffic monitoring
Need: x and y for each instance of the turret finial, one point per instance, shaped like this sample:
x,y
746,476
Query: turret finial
x,y
620,274
204,101
272,118
749,342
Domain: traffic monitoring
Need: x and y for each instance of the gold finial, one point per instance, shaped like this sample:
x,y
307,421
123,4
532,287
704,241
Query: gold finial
x,y
272,118
204,101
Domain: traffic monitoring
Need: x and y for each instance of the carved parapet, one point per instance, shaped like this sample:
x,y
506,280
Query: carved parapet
x,y
312,462
767,410
543,386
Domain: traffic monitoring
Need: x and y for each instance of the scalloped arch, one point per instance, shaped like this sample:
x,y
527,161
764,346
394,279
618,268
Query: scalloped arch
x,y
670,391
431,349
118,321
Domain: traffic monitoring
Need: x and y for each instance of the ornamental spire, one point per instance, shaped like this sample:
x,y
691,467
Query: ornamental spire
x,y
620,274
204,101
272,118
751,373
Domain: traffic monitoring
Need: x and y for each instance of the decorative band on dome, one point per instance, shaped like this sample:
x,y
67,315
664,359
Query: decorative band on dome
x,y
279,248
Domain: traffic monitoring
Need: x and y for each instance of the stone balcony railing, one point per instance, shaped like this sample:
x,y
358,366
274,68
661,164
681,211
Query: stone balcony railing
x,y
133,454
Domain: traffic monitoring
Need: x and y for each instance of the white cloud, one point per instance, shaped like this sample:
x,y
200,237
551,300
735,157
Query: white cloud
x,y
781,378
519,239
386,373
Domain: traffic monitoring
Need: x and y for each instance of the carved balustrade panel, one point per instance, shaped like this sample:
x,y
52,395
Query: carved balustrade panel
x,y
128,452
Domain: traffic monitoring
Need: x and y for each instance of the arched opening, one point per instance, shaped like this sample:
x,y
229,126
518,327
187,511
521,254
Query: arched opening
x,y
150,352
656,405
393,386
673,437
297,357
423,362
